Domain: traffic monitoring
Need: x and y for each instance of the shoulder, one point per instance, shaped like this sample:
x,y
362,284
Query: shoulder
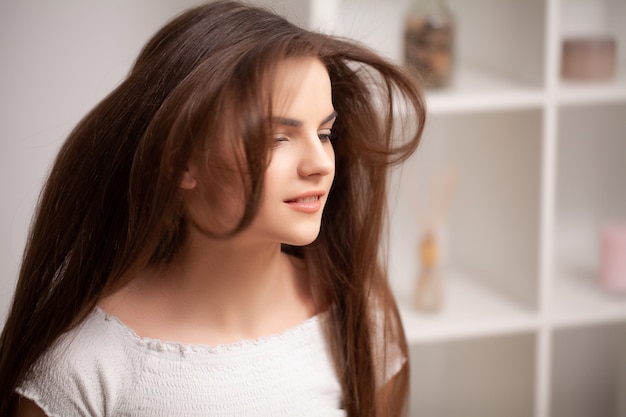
x,y
83,372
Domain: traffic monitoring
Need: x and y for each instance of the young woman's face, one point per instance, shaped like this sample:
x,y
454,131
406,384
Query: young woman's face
x,y
302,165
300,172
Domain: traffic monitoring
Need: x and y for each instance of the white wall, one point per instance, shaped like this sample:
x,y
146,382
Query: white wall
x,y
57,60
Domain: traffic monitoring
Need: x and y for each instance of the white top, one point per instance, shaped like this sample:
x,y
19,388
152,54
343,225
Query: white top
x,y
103,368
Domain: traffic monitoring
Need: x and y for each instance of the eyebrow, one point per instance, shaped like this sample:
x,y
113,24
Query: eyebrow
x,y
297,123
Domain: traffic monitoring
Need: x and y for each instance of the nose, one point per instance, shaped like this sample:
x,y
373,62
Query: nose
x,y
317,158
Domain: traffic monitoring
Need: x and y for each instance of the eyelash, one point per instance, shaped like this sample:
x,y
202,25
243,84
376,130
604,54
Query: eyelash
x,y
324,137
327,137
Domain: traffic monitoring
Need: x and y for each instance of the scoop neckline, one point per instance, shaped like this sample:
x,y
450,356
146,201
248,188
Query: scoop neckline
x,y
159,345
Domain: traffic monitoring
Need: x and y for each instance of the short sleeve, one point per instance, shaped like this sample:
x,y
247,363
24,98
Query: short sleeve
x,y
79,376
61,392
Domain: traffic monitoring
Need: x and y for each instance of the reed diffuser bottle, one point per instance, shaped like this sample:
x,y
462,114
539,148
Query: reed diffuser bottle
x,y
429,42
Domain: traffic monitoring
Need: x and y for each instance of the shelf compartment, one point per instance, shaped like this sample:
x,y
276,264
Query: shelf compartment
x,y
480,377
504,37
516,52
589,194
469,310
492,72
593,18
589,372
491,231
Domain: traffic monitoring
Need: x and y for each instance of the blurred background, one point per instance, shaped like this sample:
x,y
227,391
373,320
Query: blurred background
x,y
507,244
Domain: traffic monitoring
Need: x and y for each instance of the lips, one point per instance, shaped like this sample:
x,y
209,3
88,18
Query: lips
x,y
311,199
307,203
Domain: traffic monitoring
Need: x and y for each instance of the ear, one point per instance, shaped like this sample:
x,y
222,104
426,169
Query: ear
x,y
187,180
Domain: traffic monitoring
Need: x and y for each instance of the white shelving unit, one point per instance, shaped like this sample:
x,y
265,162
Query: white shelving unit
x,y
524,330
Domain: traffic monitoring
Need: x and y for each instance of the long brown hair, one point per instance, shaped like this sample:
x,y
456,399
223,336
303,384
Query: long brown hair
x,y
111,201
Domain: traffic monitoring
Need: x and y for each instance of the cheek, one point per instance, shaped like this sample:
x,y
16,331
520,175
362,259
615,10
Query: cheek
x,y
280,168
277,179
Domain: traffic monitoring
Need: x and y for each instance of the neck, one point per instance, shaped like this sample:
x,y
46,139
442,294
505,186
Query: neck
x,y
228,276
219,291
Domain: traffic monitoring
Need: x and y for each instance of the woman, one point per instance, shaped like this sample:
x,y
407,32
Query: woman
x,y
208,240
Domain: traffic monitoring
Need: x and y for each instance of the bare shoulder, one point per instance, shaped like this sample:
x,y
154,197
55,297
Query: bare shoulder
x,y
27,408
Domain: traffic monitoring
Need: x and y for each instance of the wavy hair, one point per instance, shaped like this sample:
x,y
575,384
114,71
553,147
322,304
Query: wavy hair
x,y
111,201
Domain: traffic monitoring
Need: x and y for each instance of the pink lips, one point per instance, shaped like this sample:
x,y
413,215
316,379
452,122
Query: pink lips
x,y
307,203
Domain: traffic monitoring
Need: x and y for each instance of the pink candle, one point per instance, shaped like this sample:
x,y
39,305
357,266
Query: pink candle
x,y
613,258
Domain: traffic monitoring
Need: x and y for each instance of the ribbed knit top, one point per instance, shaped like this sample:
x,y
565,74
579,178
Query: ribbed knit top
x,y
103,368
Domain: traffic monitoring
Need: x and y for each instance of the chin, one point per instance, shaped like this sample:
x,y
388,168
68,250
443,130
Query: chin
x,y
303,239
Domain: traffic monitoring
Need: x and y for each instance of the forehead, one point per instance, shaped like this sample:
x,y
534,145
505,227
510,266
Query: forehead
x,y
300,84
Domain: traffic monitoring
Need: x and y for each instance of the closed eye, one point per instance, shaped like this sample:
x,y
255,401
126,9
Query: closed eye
x,y
326,136
280,138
